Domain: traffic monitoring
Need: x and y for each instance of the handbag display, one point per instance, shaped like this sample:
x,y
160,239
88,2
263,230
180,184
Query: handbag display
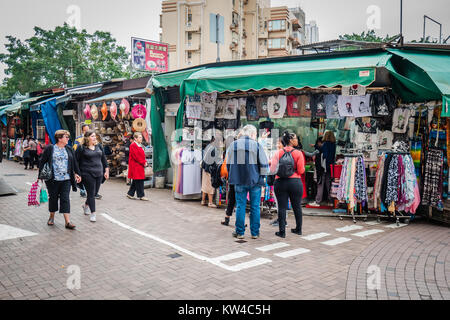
x,y
46,173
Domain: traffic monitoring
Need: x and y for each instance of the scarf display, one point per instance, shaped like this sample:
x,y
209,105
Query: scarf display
x,y
353,182
396,184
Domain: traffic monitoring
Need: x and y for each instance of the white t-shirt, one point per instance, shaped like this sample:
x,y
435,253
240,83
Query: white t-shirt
x,y
361,106
193,107
243,107
276,106
209,106
400,120
385,140
231,109
220,108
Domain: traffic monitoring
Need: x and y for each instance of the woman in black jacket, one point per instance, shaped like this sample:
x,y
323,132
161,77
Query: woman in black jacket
x,y
65,173
94,167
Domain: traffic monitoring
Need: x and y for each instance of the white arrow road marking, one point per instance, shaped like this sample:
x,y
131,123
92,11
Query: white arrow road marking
x,y
214,261
273,246
291,253
8,232
367,233
316,236
349,228
336,241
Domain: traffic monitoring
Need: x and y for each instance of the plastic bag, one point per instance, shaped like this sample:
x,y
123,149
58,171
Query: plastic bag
x,y
44,196
34,194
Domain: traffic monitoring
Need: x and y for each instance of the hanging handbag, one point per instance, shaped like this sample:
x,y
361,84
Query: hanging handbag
x,y
46,173
148,171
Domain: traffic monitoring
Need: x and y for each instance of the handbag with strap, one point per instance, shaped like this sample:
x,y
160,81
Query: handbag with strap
x,y
46,173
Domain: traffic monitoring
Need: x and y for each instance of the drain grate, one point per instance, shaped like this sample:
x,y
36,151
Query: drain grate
x,y
174,255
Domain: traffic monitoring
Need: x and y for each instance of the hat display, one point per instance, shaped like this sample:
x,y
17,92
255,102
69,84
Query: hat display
x,y
145,135
106,140
94,112
139,111
87,112
103,130
113,110
109,131
124,107
104,111
139,125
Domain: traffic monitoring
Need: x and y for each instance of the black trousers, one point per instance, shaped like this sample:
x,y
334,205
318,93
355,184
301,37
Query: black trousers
x,y
92,185
231,200
58,191
137,186
285,190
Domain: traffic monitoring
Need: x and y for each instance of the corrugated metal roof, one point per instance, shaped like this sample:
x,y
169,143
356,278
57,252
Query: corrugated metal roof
x,y
86,89
117,95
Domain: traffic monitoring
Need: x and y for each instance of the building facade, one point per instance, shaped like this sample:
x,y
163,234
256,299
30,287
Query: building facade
x,y
252,30
311,32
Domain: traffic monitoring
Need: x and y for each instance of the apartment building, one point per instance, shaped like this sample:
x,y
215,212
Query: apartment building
x,y
252,30
311,32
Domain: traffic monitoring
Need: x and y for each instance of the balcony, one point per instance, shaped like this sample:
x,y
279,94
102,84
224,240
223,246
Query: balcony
x,y
233,45
234,26
263,34
192,46
193,28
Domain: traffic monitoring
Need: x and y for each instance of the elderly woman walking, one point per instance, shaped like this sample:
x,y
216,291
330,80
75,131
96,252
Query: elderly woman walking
x,y
64,174
93,166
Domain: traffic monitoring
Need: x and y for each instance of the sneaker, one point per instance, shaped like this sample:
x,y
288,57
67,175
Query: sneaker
x,y
239,236
93,218
130,197
98,197
255,237
314,204
86,209
143,199
212,205
275,223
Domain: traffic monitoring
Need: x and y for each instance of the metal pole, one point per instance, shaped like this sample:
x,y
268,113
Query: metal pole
x,y
424,25
401,22
217,37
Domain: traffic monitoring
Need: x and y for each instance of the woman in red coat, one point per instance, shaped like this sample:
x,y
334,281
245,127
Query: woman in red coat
x,y
136,171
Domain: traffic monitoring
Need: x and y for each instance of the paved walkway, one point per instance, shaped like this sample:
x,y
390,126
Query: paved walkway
x,y
170,249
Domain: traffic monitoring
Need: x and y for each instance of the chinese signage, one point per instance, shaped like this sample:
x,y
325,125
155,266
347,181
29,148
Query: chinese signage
x,y
149,55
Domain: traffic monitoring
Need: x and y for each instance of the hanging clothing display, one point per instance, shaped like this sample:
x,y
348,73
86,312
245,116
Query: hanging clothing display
x,y
208,106
385,139
231,108
331,105
400,120
191,177
276,106
243,107
317,105
433,179
220,108
352,182
251,109
293,109
193,107
304,105
261,105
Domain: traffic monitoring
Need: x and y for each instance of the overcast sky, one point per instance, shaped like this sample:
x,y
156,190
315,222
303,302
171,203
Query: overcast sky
x,y
140,18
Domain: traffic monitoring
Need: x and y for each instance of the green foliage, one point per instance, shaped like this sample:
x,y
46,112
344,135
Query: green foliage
x,y
370,36
427,40
62,57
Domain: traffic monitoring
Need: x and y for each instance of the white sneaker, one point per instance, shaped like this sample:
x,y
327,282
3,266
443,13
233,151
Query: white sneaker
x,y
314,204
86,209
93,217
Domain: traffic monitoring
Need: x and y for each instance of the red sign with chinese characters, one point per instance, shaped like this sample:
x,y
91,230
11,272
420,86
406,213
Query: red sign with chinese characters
x,y
150,55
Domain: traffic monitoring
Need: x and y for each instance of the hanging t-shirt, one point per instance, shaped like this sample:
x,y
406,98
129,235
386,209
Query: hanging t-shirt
x,y
345,106
317,104
261,105
293,109
251,109
400,120
367,125
220,108
276,106
304,105
242,107
219,123
231,108
381,104
193,107
361,106
331,106
385,139
209,106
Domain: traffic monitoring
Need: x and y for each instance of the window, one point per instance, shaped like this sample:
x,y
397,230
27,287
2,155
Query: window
x,y
189,55
235,37
276,25
235,18
189,16
278,43
189,36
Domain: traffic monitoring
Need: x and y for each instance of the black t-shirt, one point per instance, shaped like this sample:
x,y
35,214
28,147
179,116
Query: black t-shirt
x,y
91,161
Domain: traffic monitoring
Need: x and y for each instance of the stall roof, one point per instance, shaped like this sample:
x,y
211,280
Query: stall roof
x,y
171,79
323,71
86,89
118,95
59,99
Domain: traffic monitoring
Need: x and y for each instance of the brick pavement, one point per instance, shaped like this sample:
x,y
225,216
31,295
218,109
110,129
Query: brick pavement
x,y
119,263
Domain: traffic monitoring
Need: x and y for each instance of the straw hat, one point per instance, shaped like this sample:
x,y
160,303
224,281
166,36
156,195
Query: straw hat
x,y
94,112
139,125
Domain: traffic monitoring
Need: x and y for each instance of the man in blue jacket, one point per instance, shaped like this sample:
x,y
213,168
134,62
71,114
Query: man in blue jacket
x,y
247,165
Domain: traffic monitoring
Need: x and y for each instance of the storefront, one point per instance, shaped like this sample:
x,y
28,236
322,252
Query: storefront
x,y
375,102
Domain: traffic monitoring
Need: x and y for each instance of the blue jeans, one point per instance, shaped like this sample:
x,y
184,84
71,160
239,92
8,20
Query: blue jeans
x,y
241,203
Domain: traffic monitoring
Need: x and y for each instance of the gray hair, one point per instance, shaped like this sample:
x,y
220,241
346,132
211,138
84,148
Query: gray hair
x,y
249,130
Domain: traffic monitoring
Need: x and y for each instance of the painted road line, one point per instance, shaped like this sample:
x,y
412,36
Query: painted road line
x,y
394,225
336,241
8,232
249,264
273,246
372,223
238,267
316,236
231,256
367,233
349,228
291,253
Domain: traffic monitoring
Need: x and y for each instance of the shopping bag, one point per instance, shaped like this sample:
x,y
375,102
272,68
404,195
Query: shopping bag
x,y
44,196
34,194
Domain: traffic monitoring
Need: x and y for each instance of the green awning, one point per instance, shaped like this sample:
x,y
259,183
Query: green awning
x,y
171,79
307,72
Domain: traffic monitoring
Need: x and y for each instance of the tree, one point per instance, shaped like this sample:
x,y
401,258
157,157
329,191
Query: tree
x,y
427,40
60,57
370,36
